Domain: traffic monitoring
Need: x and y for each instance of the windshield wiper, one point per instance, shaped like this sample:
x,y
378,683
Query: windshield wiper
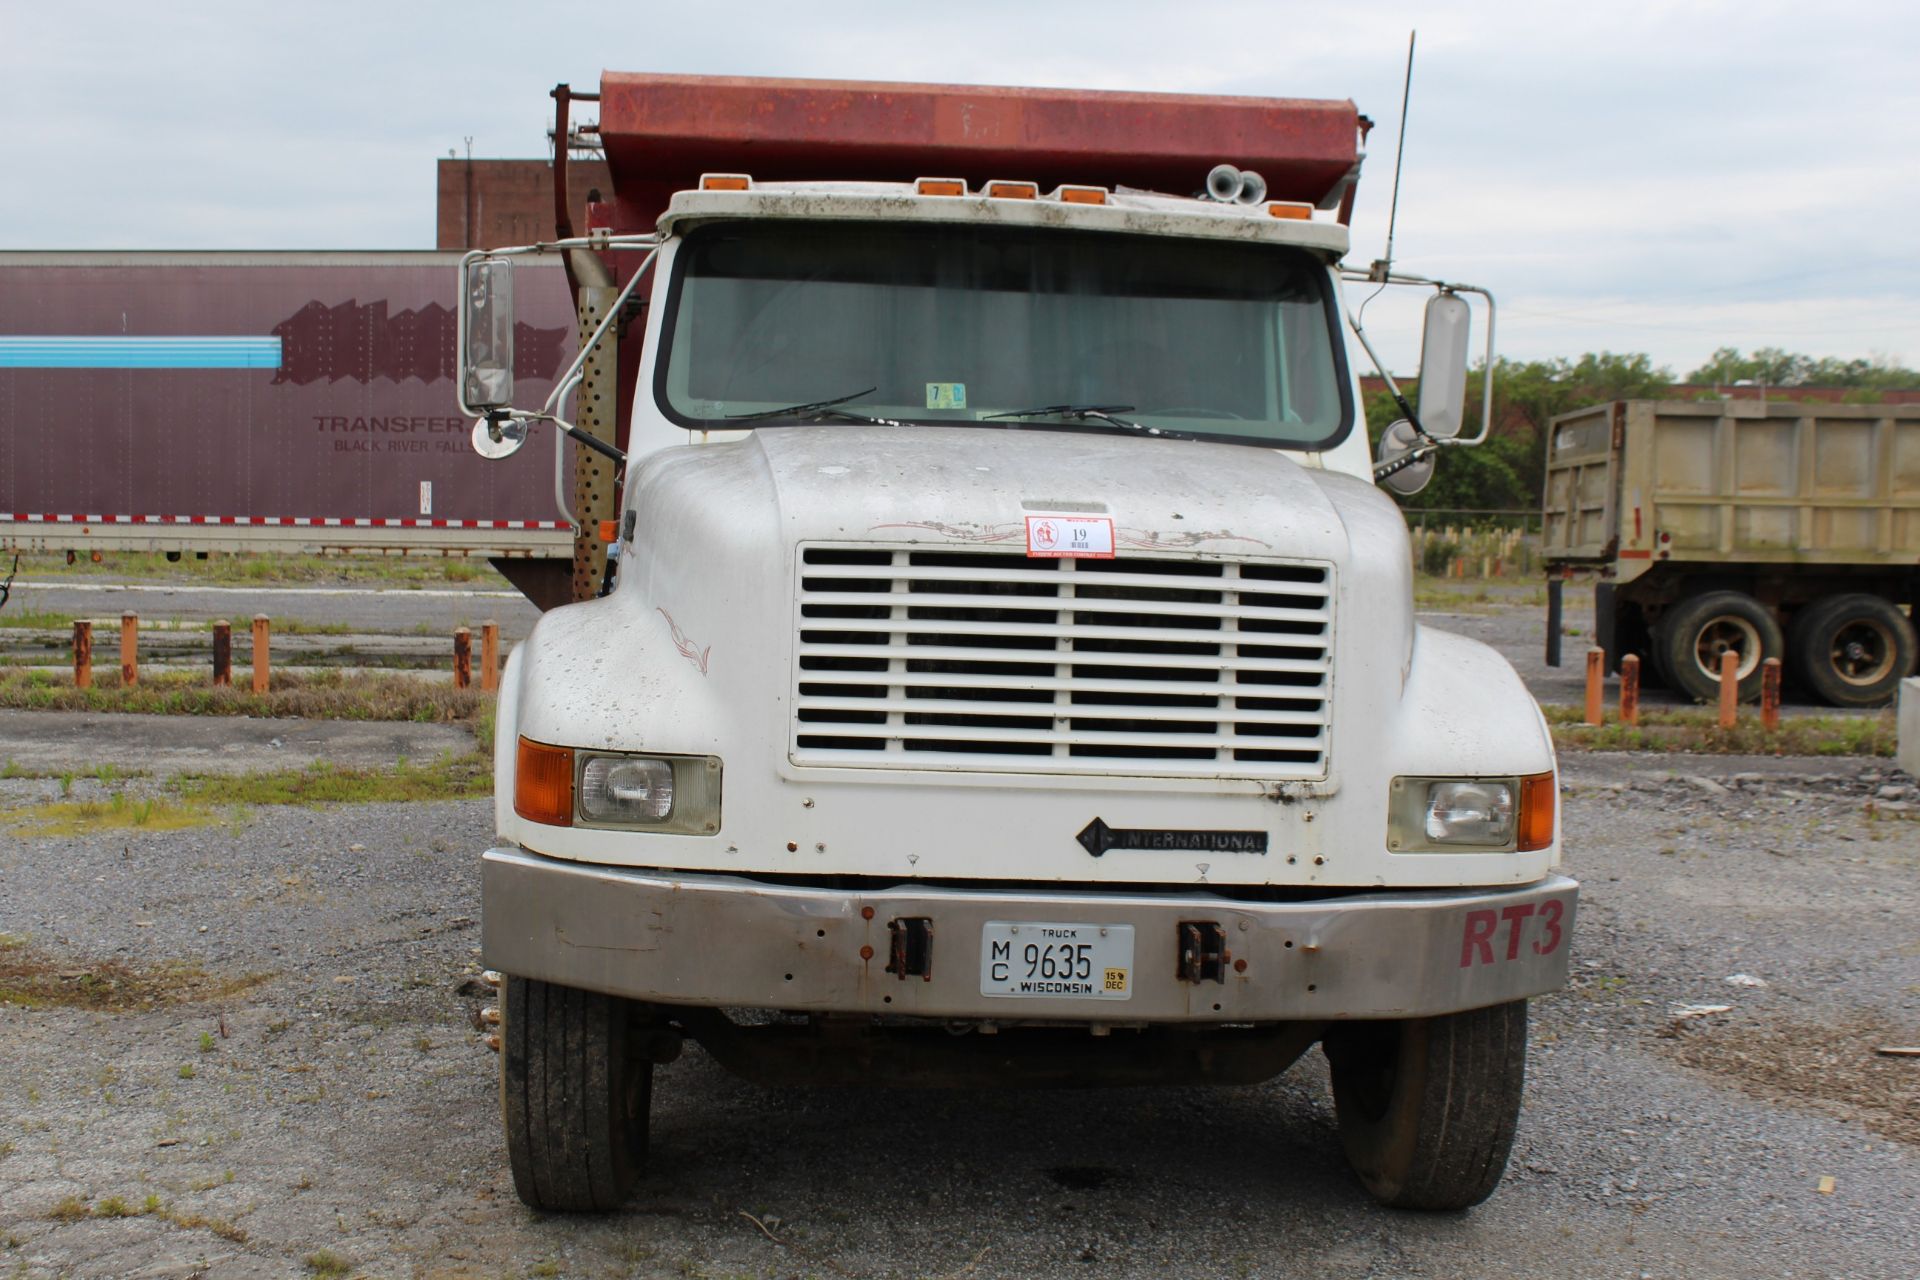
x,y
811,406
1101,413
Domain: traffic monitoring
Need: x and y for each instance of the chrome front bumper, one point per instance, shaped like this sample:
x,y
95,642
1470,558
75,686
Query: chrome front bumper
x,y
727,941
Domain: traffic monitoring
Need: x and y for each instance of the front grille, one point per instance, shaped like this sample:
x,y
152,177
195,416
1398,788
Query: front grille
x,y
994,661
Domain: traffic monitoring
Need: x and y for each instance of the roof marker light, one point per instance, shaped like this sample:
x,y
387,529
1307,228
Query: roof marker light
x,y
940,187
1290,209
1081,195
1003,190
725,182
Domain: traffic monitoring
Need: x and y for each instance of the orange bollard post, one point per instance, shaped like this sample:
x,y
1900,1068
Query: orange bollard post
x,y
1630,689
1729,688
1596,685
129,649
1770,694
490,656
82,654
462,658
262,652
223,652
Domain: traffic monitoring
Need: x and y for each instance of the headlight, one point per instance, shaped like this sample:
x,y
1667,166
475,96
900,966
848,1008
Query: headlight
x,y
656,793
1470,812
1493,815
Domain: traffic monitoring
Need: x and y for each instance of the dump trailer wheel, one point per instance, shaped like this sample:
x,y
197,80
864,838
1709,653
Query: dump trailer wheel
x,y
1695,634
1853,650
574,1096
1427,1106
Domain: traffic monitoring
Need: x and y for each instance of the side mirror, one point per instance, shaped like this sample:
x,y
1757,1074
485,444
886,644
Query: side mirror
x,y
1443,365
1395,443
486,356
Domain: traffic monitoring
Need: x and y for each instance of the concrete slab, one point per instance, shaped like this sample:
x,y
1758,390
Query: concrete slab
x,y
55,741
1908,750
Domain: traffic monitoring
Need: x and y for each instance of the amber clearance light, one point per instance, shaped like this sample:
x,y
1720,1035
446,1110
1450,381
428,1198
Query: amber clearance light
x,y
543,783
1538,799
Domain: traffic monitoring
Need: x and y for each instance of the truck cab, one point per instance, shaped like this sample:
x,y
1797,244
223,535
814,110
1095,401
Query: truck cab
x,y
1010,674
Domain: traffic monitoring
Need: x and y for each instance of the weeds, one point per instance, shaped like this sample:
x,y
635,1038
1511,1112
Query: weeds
x,y
328,1264
448,778
248,569
36,981
1699,731
324,695
118,812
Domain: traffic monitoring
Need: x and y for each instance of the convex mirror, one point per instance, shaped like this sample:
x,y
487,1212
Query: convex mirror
x,y
1395,443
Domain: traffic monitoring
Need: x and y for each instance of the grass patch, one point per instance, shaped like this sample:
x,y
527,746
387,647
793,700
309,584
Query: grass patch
x,y
37,619
118,812
248,569
448,778
1697,730
328,1264
321,695
34,980
219,1226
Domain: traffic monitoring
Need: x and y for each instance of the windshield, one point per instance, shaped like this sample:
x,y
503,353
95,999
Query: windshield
x,y
946,323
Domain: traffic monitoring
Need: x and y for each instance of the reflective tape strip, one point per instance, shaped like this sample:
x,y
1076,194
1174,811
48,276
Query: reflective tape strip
x,y
18,351
329,522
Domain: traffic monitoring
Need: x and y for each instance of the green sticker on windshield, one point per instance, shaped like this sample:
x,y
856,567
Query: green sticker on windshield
x,y
946,395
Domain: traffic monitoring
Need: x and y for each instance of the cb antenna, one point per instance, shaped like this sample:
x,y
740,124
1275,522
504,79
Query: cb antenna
x,y
1380,269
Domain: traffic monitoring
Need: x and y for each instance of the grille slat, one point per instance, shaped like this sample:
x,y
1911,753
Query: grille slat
x,y
992,661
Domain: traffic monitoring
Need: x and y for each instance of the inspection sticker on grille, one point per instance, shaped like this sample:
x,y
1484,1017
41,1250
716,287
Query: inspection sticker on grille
x,y
1063,537
1036,959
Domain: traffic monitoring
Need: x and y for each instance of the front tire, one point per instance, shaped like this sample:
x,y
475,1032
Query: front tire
x,y
1427,1106
574,1096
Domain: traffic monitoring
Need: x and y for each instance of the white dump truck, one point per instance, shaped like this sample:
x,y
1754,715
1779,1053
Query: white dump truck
x,y
1008,670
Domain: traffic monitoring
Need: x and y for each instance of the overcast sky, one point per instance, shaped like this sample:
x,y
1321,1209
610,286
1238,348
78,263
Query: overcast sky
x,y
1666,178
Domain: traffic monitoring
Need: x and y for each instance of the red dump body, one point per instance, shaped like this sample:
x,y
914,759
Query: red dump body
x,y
661,132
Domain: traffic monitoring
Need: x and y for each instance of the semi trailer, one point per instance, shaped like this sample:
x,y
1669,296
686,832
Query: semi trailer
x,y
1764,529
189,403
1010,673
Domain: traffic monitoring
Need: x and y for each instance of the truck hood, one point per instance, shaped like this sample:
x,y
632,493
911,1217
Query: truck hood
x,y
975,486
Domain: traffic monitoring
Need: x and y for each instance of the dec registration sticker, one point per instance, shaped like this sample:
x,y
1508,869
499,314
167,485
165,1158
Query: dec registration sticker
x,y
1037,959
1061,537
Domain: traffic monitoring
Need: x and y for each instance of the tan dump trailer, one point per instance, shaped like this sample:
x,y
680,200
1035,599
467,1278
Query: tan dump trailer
x,y
1766,529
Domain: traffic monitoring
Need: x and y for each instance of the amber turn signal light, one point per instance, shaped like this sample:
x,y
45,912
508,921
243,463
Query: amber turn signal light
x,y
1539,801
543,783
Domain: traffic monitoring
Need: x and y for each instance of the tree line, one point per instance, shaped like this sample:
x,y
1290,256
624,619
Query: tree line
x,y
1509,470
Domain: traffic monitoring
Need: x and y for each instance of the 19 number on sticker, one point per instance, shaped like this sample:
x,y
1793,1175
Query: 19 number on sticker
x,y
1063,537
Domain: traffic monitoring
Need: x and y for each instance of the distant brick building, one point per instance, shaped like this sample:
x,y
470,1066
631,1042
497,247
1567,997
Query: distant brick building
x,y
488,203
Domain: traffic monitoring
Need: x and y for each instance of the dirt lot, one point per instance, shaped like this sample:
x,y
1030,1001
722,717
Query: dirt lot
x,y
247,1049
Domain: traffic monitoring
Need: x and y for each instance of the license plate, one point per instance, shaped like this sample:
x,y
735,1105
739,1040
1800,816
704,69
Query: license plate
x,y
1039,960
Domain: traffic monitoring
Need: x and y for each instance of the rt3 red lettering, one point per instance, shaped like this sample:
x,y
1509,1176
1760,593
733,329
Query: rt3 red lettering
x,y
1477,939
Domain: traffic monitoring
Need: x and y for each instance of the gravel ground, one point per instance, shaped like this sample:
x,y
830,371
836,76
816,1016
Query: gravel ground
x,y
322,1089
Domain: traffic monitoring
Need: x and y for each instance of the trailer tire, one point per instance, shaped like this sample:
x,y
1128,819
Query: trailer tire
x,y
1696,632
1427,1106
1853,650
574,1096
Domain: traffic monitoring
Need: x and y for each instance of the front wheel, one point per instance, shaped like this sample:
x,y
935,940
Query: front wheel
x,y
1427,1106
574,1096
